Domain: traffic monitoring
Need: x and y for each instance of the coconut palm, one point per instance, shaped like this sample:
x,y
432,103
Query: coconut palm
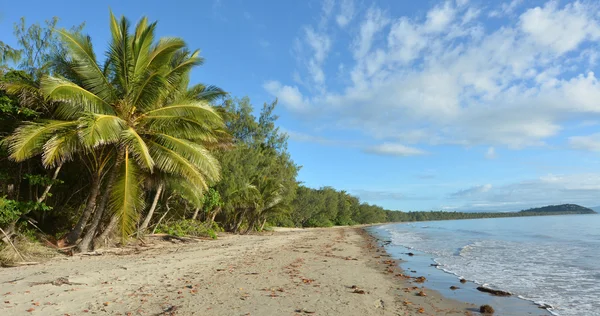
x,y
138,105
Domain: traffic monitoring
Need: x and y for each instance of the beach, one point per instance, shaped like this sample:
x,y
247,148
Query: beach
x,y
331,271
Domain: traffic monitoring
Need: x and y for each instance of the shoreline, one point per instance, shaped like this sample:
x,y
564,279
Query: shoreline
x,y
330,271
442,279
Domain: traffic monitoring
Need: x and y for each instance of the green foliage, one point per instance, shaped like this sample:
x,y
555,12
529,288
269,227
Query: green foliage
x,y
11,210
38,179
258,175
187,227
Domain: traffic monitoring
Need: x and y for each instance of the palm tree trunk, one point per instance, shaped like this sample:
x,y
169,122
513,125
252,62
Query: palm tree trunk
x,y
239,221
250,225
196,213
262,226
89,209
86,241
162,217
152,209
103,238
49,186
214,214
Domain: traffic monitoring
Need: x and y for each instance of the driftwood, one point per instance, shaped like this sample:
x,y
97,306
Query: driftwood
x,y
168,237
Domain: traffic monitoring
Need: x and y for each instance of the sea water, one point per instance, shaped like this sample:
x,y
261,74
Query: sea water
x,y
553,260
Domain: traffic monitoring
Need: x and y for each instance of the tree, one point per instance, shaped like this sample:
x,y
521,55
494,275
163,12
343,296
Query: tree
x,y
133,106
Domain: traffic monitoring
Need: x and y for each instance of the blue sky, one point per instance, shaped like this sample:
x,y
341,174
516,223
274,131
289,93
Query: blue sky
x,y
412,105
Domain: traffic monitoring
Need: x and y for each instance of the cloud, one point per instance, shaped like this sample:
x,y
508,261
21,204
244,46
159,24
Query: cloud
x,y
490,153
385,195
472,191
589,142
506,8
445,77
378,195
373,23
439,17
392,149
560,29
346,13
288,95
550,189
303,137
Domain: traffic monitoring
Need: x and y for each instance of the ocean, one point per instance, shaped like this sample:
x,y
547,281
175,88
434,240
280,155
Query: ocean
x,y
553,260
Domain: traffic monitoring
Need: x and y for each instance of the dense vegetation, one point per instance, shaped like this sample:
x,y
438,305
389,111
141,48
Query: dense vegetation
x,y
99,150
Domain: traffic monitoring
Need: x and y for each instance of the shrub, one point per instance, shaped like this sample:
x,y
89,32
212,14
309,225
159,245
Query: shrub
x,y
188,227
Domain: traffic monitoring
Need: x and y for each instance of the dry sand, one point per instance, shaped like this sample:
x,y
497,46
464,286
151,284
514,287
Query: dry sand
x,y
293,272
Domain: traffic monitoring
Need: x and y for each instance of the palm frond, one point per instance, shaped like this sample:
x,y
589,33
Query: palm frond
x,y
126,200
84,63
60,148
138,148
194,110
142,43
29,139
180,127
98,129
172,162
194,153
186,190
202,92
119,53
147,91
163,51
77,97
180,66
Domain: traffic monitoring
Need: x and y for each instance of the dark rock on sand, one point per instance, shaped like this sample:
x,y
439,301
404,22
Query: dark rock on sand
x,y
463,281
454,288
492,291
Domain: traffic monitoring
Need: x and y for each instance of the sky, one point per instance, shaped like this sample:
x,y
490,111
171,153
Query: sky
x,y
411,105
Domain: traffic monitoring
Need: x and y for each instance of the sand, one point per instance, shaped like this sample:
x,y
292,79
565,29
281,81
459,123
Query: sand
x,y
290,272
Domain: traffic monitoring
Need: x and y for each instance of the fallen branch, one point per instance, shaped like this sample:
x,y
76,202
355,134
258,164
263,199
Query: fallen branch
x,y
169,237
12,245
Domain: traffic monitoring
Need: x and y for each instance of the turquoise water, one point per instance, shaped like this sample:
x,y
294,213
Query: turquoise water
x,y
552,260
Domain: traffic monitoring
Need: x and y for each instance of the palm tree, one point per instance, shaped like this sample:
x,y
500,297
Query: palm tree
x,y
137,105
268,202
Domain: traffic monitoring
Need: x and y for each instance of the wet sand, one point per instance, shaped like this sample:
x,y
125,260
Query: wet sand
x,y
333,271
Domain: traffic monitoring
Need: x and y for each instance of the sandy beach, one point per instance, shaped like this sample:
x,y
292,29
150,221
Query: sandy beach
x,y
335,271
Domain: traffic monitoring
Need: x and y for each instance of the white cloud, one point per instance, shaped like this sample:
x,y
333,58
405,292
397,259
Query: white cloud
x,y
589,142
288,95
506,8
472,191
490,153
432,79
393,149
439,17
374,22
346,13
320,45
560,29
580,189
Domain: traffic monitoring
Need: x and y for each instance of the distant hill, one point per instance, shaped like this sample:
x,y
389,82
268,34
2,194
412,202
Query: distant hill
x,y
559,209
596,208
